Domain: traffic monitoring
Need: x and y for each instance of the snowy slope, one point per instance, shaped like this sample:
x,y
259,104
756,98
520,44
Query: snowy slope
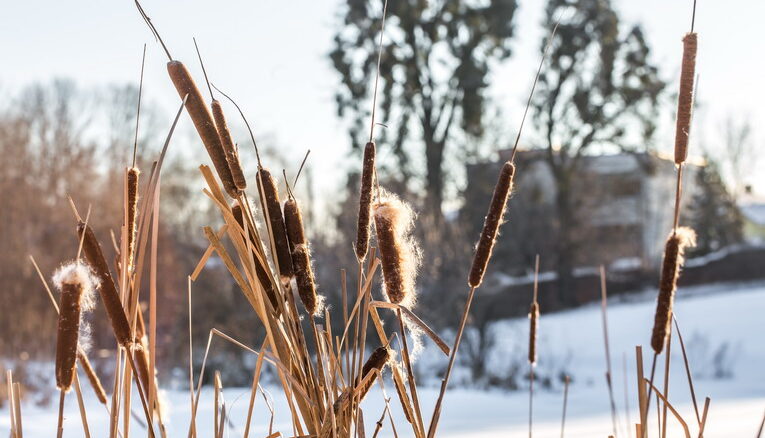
x,y
727,319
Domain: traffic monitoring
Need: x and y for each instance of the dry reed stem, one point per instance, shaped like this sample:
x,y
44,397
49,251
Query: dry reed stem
x,y
260,271
565,404
491,224
703,422
687,368
90,373
670,271
609,373
685,96
267,184
232,155
133,175
365,201
108,292
301,259
203,122
671,409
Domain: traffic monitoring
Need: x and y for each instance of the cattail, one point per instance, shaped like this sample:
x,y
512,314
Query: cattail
x,y
132,203
108,292
76,284
365,201
491,224
670,271
685,96
398,250
533,321
267,184
95,382
301,257
260,271
377,360
203,122
232,155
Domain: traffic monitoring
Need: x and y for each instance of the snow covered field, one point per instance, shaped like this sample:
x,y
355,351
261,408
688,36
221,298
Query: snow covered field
x,y
723,327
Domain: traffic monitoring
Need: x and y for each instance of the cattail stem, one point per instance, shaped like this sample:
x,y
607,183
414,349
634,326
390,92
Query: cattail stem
x,y
565,404
60,428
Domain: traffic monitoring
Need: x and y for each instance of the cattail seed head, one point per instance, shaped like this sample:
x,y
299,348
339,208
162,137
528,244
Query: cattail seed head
x,y
685,96
108,292
376,361
132,211
365,201
203,122
267,184
491,224
533,322
260,270
76,284
399,252
301,257
670,271
232,155
95,382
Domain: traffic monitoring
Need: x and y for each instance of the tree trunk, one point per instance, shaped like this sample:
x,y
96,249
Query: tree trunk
x,y
434,154
566,250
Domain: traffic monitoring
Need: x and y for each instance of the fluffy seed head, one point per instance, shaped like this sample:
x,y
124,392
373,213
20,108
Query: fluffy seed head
x,y
111,299
399,251
491,224
685,97
232,155
267,184
365,201
76,284
203,122
670,271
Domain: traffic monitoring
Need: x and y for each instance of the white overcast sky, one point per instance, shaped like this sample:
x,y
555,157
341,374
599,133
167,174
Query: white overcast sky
x,y
272,56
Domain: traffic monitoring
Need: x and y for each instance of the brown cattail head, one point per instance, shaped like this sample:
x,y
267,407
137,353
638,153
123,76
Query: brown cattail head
x,y
260,270
377,360
132,211
267,184
670,271
95,382
685,97
76,283
491,224
108,292
365,201
399,252
203,122
533,322
232,155
301,257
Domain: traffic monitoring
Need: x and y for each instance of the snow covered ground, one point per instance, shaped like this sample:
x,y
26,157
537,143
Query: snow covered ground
x,y
723,327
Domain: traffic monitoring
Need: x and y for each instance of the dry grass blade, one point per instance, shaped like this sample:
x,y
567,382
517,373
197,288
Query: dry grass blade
x,y
672,409
413,318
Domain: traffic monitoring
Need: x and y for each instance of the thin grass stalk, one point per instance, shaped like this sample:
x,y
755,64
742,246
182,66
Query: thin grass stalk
x,y
687,368
609,372
565,405
667,357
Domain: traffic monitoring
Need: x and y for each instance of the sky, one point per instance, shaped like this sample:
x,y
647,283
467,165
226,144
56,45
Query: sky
x,y
271,55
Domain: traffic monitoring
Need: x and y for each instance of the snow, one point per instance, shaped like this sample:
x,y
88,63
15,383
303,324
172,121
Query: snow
x,y
722,327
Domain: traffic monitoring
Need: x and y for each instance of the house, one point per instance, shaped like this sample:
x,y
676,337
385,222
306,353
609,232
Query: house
x,y
624,206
